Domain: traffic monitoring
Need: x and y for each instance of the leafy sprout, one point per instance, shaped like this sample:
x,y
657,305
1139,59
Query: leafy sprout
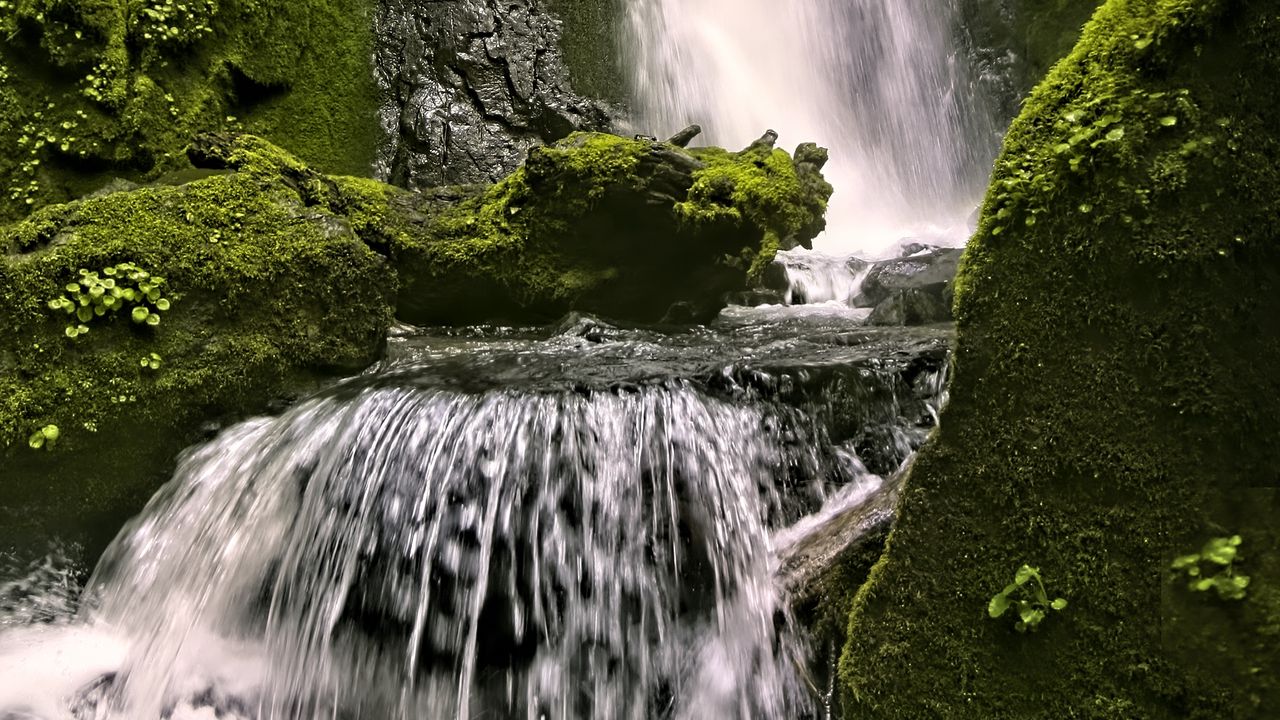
x,y
45,437
1221,554
124,286
1027,596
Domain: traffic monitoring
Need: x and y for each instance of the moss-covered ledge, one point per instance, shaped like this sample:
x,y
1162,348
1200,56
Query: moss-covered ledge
x,y
1115,398
132,320
264,295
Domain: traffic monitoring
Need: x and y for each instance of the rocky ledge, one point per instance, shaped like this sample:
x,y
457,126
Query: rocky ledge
x,y
130,320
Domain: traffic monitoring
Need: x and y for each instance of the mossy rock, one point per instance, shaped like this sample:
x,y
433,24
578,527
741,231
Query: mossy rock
x,y
614,226
1114,397
96,89
266,276
266,293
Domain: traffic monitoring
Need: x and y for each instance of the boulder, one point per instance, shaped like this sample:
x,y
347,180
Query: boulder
x,y
1113,402
910,307
130,321
620,227
92,90
929,272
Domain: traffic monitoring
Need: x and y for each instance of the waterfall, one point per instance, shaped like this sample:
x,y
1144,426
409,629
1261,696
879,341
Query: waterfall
x,y
394,551
879,82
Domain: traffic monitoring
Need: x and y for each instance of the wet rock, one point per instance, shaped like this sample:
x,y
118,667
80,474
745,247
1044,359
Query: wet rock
x,y
757,297
913,306
931,272
468,86
588,327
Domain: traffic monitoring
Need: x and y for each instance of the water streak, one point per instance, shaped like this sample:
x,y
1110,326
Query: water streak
x,y
400,552
879,82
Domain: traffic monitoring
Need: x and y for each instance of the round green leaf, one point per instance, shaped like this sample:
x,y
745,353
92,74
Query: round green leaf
x,y
140,314
1059,604
998,605
36,441
162,304
153,319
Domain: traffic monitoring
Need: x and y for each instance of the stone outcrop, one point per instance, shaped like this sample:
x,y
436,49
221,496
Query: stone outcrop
x,y
469,86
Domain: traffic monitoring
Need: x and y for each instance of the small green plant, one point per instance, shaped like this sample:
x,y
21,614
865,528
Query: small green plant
x,y
122,286
151,362
45,437
1027,595
1219,554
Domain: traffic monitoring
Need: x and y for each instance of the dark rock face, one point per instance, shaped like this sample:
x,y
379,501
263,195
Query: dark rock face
x,y
910,307
468,86
911,290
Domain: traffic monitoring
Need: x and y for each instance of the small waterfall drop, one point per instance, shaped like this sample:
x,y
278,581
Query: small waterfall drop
x,y
398,552
879,82
814,278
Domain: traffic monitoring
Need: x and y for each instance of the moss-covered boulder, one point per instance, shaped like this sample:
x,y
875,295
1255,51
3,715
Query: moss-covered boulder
x,y
614,226
1114,401
130,320
95,89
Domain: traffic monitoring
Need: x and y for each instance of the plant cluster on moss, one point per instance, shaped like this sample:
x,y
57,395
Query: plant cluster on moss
x,y
1027,597
123,286
1220,554
45,437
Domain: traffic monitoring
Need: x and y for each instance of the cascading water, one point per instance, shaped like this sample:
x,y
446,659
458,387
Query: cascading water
x,y
401,552
879,82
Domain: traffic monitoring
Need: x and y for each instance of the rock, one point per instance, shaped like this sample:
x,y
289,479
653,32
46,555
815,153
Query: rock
x,y
910,248
681,227
122,89
913,306
468,87
774,279
265,292
1114,399
757,297
686,136
931,273
581,325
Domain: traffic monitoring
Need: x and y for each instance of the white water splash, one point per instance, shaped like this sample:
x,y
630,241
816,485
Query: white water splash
x,y
403,553
879,82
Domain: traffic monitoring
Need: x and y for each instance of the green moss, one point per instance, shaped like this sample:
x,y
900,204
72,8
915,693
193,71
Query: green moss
x,y
92,89
267,295
1111,400
760,186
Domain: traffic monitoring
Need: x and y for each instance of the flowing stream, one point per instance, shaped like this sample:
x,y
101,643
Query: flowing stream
x,y
878,82
576,522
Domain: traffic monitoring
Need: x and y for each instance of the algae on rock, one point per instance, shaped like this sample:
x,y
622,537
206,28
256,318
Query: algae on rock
x,y
1113,398
93,90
